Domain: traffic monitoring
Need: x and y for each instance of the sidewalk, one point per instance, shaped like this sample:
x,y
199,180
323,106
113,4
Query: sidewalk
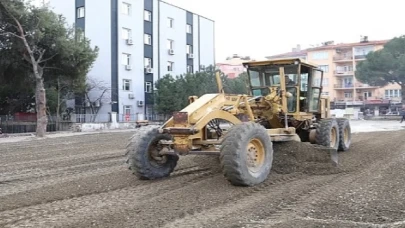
x,y
357,126
10,138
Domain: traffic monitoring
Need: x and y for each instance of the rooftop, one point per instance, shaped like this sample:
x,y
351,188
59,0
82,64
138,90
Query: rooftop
x,y
187,10
235,60
328,46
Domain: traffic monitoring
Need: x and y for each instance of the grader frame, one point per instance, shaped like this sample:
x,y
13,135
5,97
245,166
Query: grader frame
x,y
256,120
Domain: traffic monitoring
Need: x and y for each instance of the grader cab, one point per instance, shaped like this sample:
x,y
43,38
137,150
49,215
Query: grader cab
x,y
284,104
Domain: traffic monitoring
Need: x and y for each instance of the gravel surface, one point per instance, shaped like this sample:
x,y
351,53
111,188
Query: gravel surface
x,y
83,181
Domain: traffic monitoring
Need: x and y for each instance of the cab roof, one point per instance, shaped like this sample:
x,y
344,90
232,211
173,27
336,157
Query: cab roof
x,y
281,61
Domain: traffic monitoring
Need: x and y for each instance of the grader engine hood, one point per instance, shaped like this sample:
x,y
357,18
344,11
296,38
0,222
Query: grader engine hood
x,y
188,124
198,113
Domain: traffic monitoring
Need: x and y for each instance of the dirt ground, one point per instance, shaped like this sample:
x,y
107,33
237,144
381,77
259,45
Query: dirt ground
x,y
83,181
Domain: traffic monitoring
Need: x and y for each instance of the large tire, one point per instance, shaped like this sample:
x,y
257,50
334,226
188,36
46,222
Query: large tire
x,y
140,158
345,134
327,133
238,142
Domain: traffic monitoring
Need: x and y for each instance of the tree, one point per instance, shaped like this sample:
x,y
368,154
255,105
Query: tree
x,y
96,94
169,95
40,38
173,92
385,66
236,85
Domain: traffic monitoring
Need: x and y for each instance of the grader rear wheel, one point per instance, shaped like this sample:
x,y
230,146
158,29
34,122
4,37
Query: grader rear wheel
x,y
144,158
246,154
327,133
345,134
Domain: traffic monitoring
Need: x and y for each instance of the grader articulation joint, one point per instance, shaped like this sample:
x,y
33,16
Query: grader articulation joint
x,y
284,104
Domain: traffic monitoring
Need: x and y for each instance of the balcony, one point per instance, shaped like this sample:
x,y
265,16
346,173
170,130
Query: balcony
x,y
343,72
347,57
357,86
348,101
365,86
344,86
359,57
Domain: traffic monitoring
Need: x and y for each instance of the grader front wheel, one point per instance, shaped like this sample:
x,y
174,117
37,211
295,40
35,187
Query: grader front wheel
x,y
144,159
246,154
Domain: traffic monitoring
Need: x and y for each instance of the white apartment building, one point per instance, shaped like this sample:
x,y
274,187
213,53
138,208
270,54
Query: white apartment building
x,y
139,41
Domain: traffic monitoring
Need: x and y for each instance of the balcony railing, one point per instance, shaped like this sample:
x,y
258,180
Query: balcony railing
x,y
359,57
344,72
357,85
340,57
365,86
344,86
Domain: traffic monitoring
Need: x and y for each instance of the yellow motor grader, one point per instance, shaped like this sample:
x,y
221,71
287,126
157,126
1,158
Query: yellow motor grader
x,y
284,104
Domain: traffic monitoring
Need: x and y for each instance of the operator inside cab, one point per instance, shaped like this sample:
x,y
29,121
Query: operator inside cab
x,y
290,87
289,81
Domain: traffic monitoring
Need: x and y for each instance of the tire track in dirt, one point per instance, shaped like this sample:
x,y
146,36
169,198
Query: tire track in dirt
x,y
257,205
100,191
81,178
170,206
84,204
72,150
322,193
60,161
50,166
34,143
52,177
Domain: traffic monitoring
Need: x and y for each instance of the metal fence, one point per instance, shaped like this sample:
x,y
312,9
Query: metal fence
x,y
9,124
91,118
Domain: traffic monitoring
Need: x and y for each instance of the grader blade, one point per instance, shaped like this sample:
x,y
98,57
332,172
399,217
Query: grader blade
x,y
323,154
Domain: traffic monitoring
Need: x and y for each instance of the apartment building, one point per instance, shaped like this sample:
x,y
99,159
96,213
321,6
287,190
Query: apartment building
x,y
232,66
139,41
338,61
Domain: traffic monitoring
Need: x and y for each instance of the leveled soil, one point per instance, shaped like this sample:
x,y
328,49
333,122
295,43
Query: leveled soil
x,y
83,181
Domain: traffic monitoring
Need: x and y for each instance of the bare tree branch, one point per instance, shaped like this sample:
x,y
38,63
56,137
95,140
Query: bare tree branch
x,y
12,34
47,59
41,55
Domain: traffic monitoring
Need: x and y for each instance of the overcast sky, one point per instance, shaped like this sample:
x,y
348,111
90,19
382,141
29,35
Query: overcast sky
x,y
265,27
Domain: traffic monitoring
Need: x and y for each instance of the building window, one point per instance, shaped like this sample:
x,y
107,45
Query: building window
x,y
170,66
324,68
363,51
320,55
348,94
126,85
189,69
189,29
148,87
189,49
126,8
325,93
147,62
169,44
147,15
148,39
126,33
80,12
389,93
325,82
170,22
126,59
367,94
127,109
